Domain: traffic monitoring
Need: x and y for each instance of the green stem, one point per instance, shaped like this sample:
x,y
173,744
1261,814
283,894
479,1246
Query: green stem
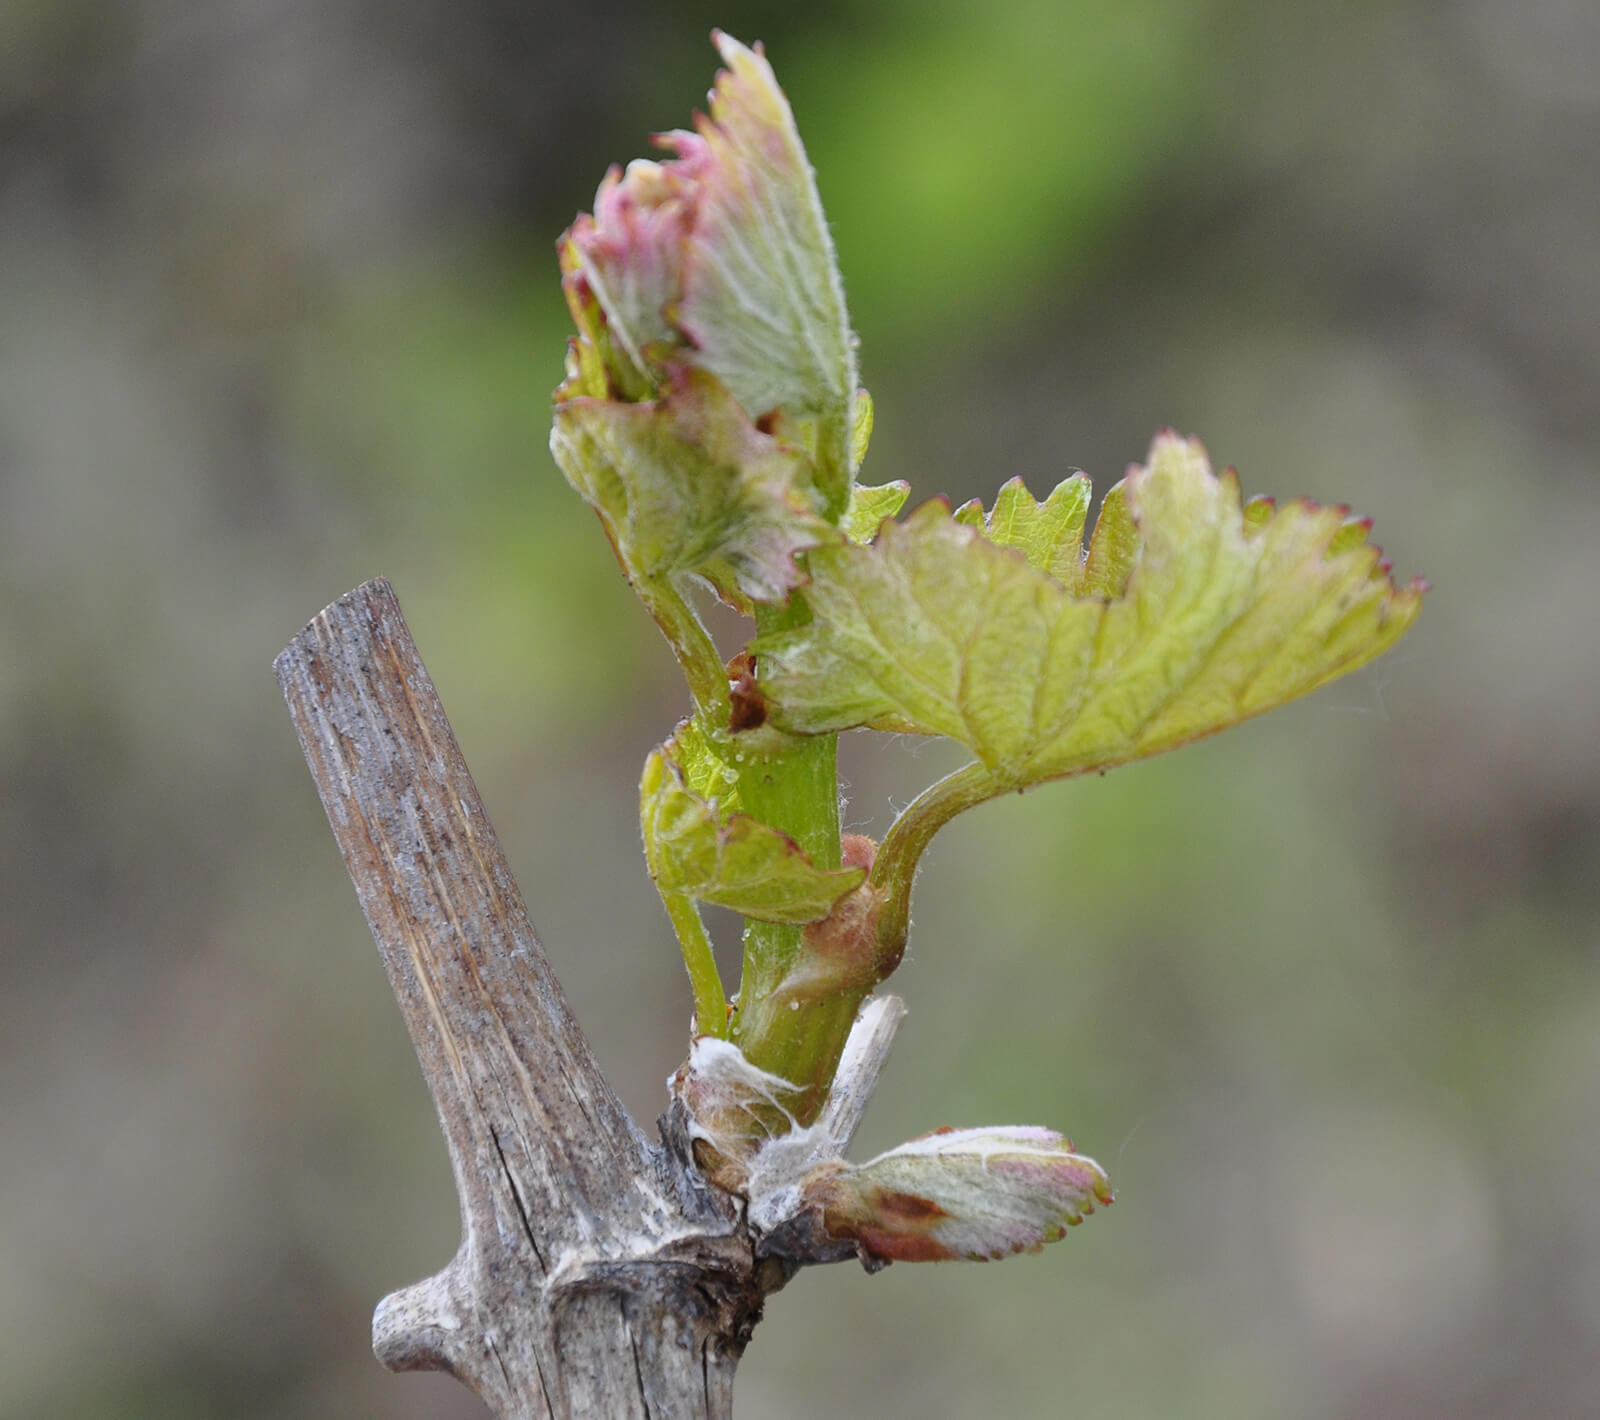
x,y
795,790
794,787
895,867
694,648
710,1001
799,1039
708,683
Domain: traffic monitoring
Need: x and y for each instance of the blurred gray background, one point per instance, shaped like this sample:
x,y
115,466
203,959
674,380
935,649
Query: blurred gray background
x,y
279,312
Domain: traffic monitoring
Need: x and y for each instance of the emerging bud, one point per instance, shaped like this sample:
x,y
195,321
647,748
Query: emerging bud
x,y
974,1194
734,1109
840,952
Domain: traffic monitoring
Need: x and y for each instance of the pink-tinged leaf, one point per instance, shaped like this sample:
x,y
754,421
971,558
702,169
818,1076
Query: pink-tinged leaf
x,y
763,303
630,253
721,257
960,1194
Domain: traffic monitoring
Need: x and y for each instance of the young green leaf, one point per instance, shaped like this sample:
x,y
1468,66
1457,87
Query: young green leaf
x,y
1048,534
687,484
970,514
1192,617
861,430
699,847
960,1194
1114,547
869,506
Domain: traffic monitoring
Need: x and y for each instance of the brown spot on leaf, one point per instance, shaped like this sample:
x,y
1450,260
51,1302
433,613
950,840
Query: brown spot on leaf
x,y
909,1207
898,1247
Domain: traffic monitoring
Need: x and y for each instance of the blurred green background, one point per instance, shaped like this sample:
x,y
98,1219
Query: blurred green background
x,y
280,313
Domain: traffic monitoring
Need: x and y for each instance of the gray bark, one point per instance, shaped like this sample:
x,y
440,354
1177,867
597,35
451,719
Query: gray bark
x,y
598,1274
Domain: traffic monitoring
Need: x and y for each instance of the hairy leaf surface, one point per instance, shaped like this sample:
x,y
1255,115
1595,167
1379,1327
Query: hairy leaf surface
x,y
961,1194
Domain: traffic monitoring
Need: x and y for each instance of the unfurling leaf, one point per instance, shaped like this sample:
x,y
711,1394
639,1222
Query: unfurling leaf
x,y
720,258
698,847
960,1194
763,302
1186,616
687,484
